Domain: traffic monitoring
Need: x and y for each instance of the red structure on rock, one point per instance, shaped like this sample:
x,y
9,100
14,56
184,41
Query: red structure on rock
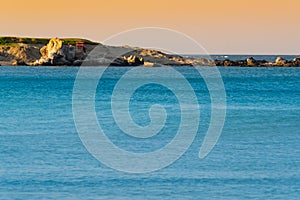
x,y
80,44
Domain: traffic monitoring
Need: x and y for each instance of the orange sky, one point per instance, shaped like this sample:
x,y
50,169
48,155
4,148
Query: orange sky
x,y
221,26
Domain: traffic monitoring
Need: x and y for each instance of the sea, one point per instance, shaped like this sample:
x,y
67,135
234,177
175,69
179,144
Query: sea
x,y
44,156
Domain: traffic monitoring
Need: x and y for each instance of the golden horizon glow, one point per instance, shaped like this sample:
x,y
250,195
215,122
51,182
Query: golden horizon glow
x,y
221,26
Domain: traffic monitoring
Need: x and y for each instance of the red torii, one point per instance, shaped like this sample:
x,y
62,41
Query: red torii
x,y
80,44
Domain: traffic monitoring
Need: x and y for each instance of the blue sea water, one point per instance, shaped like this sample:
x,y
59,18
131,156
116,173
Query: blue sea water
x,y
257,155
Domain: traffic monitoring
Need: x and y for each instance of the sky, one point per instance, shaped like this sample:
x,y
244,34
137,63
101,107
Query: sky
x,y
220,26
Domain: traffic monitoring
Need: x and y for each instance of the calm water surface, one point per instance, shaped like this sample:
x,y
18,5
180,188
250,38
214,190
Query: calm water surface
x,y
257,156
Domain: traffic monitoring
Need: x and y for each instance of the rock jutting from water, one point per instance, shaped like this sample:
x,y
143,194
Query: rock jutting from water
x,y
59,52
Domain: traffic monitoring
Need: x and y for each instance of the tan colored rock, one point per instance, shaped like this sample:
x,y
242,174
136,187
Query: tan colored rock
x,y
134,60
53,54
296,62
251,62
148,64
22,53
44,51
280,61
53,47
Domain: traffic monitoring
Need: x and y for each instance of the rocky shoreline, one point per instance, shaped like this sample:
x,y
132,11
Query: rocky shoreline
x,y
63,52
251,62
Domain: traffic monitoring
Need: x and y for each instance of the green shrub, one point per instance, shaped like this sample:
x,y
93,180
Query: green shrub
x,y
44,41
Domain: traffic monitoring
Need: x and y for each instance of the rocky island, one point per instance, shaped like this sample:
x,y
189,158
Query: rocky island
x,y
76,52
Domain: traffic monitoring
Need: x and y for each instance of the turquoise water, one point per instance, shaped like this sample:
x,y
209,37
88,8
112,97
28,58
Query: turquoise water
x,y
257,155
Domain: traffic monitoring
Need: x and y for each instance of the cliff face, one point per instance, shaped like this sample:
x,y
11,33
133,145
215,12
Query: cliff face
x,y
19,53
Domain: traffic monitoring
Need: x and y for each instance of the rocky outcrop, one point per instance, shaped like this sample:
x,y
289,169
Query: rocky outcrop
x,y
131,60
251,62
16,54
134,60
54,53
60,53
296,62
19,63
280,61
159,58
57,53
